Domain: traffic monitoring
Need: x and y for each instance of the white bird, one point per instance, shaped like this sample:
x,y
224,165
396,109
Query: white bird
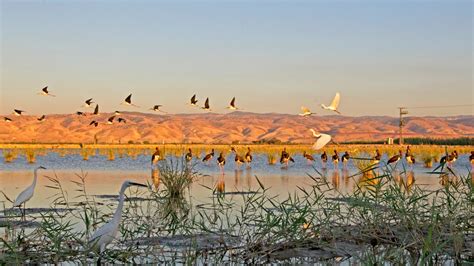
x,y
27,194
107,232
322,140
305,111
128,101
44,91
334,104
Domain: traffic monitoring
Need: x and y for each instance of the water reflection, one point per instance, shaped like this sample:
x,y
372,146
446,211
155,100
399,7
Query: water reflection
x,y
335,179
220,185
155,178
410,181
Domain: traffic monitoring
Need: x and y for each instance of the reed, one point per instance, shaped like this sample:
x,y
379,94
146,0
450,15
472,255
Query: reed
x,y
9,156
30,156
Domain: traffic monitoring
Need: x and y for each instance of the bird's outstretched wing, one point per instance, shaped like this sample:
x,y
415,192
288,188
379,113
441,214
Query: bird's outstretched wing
x,y
206,104
232,103
129,99
322,141
96,110
335,101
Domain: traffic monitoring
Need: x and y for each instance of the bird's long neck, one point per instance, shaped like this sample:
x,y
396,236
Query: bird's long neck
x,y
35,177
118,211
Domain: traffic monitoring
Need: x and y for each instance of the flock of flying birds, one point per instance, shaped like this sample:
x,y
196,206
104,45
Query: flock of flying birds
x,y
156,108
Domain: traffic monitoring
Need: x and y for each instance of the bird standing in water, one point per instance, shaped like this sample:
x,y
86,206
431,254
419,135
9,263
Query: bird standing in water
x,y
324,159
345,159
335,159
239,160
309,157
395,158
189,155
208,157
377,156
221,162
248,157
27,194
156,156
285,158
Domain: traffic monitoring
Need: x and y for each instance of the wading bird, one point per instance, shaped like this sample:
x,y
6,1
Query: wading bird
x,y
324,159
239,160
156,108
377,156
6,119
450,159
128,101
107,232
221,162
208,157
193,100
395,158
93,122
189,155
96,110
334,104
110,121
248,157
345,159
18,112
232,105
471,157
409,157
285,157
305,111
156,156
42,118
308,157
322,140
44,91
27,194
206,105
122,120
88,103
335,159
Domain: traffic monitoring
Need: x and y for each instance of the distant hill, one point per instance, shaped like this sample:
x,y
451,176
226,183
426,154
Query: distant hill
x,y
225,128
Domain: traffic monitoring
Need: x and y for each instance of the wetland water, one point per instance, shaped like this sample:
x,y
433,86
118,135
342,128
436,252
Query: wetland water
x,y
103,178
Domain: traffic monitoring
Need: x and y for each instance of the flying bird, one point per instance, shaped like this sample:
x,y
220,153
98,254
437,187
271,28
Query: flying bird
x,y
110,121
117,113
122,120
18,112
156,108
88,103
334,104
80,113
232,105
93,122
27,194
6,119
42,118
305,111
96,110
107,232
206,105
322,140
128,101
193,100
44,91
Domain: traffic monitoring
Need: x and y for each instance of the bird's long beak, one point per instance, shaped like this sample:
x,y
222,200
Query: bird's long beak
x,y
137,184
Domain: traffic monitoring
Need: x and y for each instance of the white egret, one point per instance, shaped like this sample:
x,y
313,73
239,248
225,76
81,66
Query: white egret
x,y
305,111
27,194
107,232
322,139
334,104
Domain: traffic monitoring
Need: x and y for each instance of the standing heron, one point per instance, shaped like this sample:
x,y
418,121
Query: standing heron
x,y
309,157
471,157
107,232
377,156
27,194
409,157
285,158
395,158
334,104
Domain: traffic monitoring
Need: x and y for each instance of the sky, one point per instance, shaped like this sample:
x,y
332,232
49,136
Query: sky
x,y
273,56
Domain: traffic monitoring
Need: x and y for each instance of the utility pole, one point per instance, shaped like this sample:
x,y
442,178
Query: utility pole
x,y
403,112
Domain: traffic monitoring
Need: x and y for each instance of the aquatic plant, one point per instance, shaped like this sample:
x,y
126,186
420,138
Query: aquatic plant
x,y
9,156
30,156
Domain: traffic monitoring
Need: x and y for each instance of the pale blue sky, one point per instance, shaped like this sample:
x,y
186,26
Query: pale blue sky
x,y
274,56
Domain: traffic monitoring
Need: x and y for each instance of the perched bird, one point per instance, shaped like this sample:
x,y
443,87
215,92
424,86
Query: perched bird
x,y
335,159
232,105
107,232
206,105
27,194
395,158
248,157
221,162
18,112
96,110
208,156
156,156
308,157
122,120
334,104
44,91
305,111
193,100
128,101
285,157
42,118
324,159
110,121
93,122
322,140
80,113
88,103
239,160
156,108
377,156
345,158
471,157
189,155
117,113
6,119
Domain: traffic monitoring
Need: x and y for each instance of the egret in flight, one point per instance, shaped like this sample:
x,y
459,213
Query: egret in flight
x,y
305,111
334,104
27,194
322,140
107,232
